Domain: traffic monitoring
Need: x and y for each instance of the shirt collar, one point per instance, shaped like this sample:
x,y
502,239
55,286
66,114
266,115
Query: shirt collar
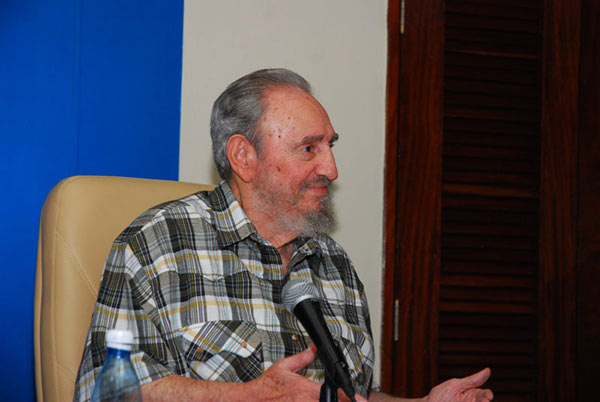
x,y
231,222
307,245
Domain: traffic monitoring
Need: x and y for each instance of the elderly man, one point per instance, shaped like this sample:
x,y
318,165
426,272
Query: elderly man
x,y
199,279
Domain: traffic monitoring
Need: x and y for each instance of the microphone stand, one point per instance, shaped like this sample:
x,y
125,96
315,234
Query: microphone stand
x,y
328,391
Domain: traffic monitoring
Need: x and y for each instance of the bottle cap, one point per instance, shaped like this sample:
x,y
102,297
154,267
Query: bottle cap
x,y
119,339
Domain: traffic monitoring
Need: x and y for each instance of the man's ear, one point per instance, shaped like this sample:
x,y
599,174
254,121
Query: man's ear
x,y
242,157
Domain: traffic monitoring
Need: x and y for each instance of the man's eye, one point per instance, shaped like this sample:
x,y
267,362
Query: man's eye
x,y
307,148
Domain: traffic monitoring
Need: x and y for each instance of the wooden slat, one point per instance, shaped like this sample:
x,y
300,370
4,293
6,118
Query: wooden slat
x,y
485,202
491,334
509,99
558,209
517,181
490,241
461,21
500,320
479,190
505,42
474,295
523,219
489,114
480,155
488,282
480,360
531,5
504,347
494,11
492,308
467,71
525,64
499,128
513,269
516,163
526,92
456,233
491,255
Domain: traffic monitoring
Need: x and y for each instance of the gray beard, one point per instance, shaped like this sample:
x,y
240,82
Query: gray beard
x,y
305,224
321,221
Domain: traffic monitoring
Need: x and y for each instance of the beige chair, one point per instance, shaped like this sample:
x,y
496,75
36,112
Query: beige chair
x,y
80,218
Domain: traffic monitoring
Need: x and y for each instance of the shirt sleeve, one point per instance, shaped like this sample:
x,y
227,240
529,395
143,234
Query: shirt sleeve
x,y
125,301
373,386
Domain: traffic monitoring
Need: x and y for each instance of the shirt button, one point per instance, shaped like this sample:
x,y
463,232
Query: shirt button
x,y
244,345
294,337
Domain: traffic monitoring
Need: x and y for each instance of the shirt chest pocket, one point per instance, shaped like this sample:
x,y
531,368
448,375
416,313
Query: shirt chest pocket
x,y
229,351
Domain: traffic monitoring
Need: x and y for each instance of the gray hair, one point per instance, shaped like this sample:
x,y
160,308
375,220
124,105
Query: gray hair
x,y
239,108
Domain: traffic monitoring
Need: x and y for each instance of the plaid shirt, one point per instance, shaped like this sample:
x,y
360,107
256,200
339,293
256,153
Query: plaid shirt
x,y
201,291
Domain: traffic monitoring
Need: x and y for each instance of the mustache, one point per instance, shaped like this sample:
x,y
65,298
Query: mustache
x,y
319,181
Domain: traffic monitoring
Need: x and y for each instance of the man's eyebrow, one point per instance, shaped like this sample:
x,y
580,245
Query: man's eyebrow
x,y
317,138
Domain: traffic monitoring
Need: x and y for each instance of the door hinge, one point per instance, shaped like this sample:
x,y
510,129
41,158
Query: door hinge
x,y
396,317
402,15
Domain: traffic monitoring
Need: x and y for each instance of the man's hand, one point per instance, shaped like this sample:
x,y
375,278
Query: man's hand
x,y
462,389
280,382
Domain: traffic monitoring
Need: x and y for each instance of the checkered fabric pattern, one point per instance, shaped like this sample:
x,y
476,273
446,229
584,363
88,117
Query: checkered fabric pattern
x,y
201,291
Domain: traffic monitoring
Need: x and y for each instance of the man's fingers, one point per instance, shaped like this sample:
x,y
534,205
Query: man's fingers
x,y
479,395
486,395
477,379
299,360
360,398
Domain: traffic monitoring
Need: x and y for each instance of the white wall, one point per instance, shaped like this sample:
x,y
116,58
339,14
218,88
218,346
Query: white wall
x,y
340,47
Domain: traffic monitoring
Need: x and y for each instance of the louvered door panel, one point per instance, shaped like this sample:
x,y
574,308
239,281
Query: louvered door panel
x,y
490,176
491,180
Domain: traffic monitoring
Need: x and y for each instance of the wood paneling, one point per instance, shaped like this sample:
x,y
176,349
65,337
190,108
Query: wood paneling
x,y
415,197
491,171
558,201
391,194
588,273
492,242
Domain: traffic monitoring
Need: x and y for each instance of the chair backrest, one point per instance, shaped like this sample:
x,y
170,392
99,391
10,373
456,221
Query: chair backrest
x,y
80,219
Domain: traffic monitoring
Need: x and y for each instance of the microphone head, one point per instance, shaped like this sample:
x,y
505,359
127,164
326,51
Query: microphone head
x,y
296,291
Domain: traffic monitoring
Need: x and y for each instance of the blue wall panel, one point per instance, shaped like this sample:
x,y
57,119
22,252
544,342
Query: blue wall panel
x,y
136,50
88,87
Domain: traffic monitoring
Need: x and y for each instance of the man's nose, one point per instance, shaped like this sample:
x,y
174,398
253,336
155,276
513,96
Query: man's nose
x,y
327,166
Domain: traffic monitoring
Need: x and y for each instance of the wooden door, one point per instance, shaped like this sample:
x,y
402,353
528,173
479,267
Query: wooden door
x,y
482,195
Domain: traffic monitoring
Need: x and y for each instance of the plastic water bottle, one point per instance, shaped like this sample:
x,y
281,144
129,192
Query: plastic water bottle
x,y
117,380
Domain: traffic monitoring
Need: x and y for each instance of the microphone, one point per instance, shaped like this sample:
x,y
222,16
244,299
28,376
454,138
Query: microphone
x,y
301,299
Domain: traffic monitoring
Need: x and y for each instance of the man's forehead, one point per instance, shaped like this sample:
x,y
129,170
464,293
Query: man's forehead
x,y
295,116
320,137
